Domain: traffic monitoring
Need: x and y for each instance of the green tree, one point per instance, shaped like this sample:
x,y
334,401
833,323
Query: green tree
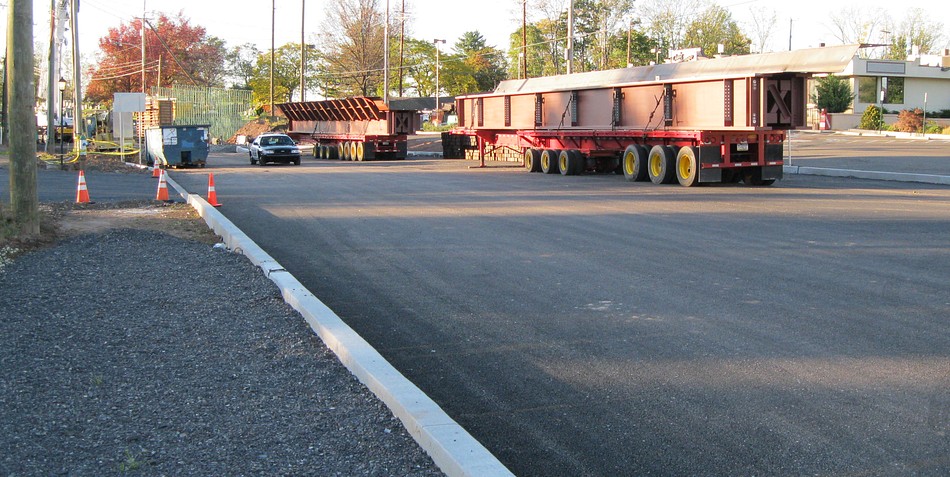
x,y
286,74
242,65
916,30
485,64
715,27
833,94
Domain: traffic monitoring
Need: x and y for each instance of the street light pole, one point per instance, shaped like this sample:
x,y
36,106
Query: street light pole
x,y
436,43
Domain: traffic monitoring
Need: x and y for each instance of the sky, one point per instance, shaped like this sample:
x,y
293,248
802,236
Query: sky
x,y
248,21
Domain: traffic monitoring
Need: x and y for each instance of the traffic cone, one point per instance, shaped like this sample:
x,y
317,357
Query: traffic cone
x,y
162,188
212,194
82,193
156,171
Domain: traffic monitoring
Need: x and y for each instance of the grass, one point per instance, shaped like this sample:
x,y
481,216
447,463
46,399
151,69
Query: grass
x,y
132,462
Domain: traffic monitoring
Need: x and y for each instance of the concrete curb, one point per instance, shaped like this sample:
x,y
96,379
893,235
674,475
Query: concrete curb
x,y
873,175
452,448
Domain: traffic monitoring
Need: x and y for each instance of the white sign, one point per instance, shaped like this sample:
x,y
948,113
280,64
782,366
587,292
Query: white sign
x,y
128,102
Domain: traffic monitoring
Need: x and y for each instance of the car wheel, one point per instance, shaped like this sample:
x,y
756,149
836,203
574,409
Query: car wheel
x,y
261,162
297,161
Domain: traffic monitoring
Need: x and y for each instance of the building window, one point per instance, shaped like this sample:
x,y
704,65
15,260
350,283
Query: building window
x,y
867,89
894,90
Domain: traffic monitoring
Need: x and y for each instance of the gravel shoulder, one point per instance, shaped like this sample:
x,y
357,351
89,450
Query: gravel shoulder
x,y
135,351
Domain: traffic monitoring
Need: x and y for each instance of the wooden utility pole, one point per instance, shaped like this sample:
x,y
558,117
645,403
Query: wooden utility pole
x,y
303,51
24,198
402,42
273,14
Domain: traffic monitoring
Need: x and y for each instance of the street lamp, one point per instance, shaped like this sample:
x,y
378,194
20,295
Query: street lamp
x,y
436,43
62,122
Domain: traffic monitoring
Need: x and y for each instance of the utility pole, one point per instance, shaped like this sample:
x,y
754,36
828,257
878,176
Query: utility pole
x,y
24,197
303,51
402,41
77,79
570,38
386,57
143,46
436,43
51,76
524,39
273,14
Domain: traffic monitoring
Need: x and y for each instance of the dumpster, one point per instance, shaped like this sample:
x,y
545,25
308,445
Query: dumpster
x,y
177,146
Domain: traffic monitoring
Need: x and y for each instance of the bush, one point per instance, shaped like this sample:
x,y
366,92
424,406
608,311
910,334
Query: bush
x,y
946,130
833,94
872,118
910,121
933,128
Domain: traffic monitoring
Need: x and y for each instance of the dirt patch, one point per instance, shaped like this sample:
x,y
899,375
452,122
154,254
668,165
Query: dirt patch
x,y
179,220
65,219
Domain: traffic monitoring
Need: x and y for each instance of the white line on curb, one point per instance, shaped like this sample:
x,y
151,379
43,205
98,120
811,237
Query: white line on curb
x,y
452,448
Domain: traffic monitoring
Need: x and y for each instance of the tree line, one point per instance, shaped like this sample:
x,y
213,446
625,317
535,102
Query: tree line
x,y
347,58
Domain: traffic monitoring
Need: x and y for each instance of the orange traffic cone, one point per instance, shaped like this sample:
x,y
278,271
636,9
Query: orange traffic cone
x,y
162,188
156,171
82,193
212,194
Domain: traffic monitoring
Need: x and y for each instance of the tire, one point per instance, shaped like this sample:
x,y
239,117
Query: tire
x,y
633,163
297,161
549,159
341,150
253,161
359,153
260,161
660,165
579,161
532,160
687,166
570,162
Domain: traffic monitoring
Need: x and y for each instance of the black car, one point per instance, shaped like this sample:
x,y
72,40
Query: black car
x,y
274,147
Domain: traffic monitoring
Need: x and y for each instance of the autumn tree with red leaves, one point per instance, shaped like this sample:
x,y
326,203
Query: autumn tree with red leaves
x,y
182,52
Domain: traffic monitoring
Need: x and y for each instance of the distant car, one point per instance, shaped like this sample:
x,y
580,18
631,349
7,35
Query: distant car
x,y
273,147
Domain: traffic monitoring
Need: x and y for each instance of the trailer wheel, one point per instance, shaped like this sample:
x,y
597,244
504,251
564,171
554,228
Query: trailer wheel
x,y
359,153
339,151
549,160
564,163
532,159
634,163
661,165
687,167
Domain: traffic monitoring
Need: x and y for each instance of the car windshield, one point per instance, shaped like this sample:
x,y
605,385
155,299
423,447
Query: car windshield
x,y
277,141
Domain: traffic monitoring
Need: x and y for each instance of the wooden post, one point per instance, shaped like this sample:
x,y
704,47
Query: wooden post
x,y
24,198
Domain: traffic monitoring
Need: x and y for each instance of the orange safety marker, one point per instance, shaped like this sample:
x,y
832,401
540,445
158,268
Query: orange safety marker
x,y
212,194
156,171
82,193
162,188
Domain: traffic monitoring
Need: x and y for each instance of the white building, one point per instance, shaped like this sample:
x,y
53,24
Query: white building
x,y
897,85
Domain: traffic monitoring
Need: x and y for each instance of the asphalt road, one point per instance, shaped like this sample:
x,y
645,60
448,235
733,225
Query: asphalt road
x,y
590,326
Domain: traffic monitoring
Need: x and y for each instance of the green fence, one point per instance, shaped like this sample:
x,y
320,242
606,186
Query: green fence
x,y
226,110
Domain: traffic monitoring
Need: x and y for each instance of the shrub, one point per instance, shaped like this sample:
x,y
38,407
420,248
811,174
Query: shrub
x,y
910,121
872,118
932,128
946,130
833,94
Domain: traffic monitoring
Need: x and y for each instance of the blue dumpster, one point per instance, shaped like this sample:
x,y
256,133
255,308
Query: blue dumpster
x,y
176,146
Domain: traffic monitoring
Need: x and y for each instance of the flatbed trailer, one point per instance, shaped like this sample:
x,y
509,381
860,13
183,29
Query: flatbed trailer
x,y
714,120
355,129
